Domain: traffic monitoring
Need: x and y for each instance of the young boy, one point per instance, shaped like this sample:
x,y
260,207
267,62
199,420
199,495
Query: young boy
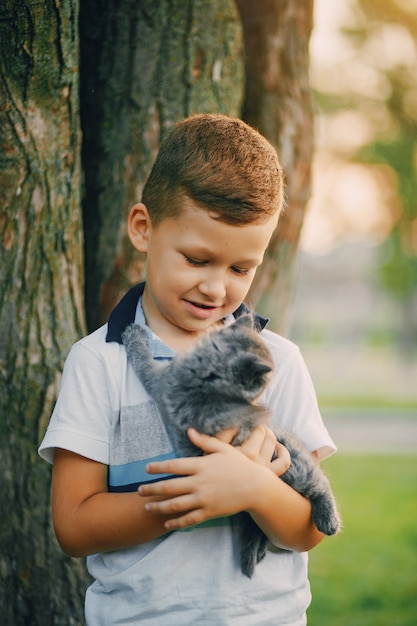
x,y
165,551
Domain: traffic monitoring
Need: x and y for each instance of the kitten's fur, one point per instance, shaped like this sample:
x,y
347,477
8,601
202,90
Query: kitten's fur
x,y
212,388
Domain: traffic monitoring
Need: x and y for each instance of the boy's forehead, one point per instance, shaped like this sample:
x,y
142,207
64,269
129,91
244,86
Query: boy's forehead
x,y
190,211
202,230
186,206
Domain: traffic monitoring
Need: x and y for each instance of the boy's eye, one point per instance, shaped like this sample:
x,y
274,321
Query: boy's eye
x,y
240,270
194,262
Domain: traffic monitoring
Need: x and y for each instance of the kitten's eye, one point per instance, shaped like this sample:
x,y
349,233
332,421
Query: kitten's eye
x,y
194,262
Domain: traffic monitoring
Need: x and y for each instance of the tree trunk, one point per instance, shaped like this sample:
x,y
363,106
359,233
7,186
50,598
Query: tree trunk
x,y
278,102
41,308
144,65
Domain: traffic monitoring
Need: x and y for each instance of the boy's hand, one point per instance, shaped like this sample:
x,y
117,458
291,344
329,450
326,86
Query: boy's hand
x,y
262,446
224,481
218,484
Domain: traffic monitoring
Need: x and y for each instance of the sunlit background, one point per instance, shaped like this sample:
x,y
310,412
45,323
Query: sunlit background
x,y
355,311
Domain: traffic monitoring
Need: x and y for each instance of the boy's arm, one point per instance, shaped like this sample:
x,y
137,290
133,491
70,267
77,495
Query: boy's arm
x,y
89,519
226,481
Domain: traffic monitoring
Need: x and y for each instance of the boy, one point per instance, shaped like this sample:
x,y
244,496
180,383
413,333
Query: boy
x,y
165,551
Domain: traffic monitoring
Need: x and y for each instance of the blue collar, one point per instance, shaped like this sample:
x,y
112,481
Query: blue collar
x,y
124,314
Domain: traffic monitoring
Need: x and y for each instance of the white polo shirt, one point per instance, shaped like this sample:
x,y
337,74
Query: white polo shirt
x,y
188,576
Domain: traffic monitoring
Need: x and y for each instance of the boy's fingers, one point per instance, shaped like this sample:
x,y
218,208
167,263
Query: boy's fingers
x,y
257,440
189,465
257,436
181,467
210,444
282,453
228,434
169,488
172,506
185,521
184,508
283,460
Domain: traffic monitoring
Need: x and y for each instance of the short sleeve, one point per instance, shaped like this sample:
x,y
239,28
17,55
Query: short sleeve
x,y
83,411
291,397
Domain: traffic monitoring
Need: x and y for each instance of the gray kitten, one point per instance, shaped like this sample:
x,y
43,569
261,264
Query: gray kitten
x,y
213,387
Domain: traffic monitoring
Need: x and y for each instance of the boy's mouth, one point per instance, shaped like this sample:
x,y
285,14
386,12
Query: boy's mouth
x,y
203,306
200,306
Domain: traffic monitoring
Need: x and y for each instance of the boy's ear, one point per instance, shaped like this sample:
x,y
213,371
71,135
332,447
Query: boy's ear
x,y
139,226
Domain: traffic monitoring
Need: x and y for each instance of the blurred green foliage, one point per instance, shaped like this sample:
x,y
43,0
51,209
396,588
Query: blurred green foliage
x,y
399,153
382,38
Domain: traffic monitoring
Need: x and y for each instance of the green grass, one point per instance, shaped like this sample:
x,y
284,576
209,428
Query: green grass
x,y
367,575
366,402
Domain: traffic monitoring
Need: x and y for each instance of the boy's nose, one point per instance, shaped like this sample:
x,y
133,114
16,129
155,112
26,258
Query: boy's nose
x,y
213,287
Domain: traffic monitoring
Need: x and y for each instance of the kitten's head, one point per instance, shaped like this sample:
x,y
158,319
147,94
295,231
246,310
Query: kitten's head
x,y
246,357
234,361
249,373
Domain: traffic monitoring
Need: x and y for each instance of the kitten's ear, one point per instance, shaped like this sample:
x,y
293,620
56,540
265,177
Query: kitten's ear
x,y
244,321
251,371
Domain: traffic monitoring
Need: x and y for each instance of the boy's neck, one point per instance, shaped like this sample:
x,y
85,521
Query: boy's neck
x,y
178,339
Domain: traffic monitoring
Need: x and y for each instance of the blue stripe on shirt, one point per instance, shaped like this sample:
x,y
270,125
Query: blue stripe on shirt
x,y
128,476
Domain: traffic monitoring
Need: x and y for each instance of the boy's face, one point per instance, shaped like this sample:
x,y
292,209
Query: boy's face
x,y
199,269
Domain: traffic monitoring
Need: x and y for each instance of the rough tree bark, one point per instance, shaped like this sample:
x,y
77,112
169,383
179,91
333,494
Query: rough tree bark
x,y
278,102
41,308
132,92
144,65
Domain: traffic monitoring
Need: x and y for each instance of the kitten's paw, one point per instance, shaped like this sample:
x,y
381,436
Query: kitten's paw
x,y
326,517
134,335
127,334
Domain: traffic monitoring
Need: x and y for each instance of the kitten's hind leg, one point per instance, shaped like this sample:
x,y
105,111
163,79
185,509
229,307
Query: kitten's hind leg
x,y
324,514
306,476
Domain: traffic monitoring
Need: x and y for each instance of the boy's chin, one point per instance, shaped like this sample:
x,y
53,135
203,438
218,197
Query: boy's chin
x,y
200,327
